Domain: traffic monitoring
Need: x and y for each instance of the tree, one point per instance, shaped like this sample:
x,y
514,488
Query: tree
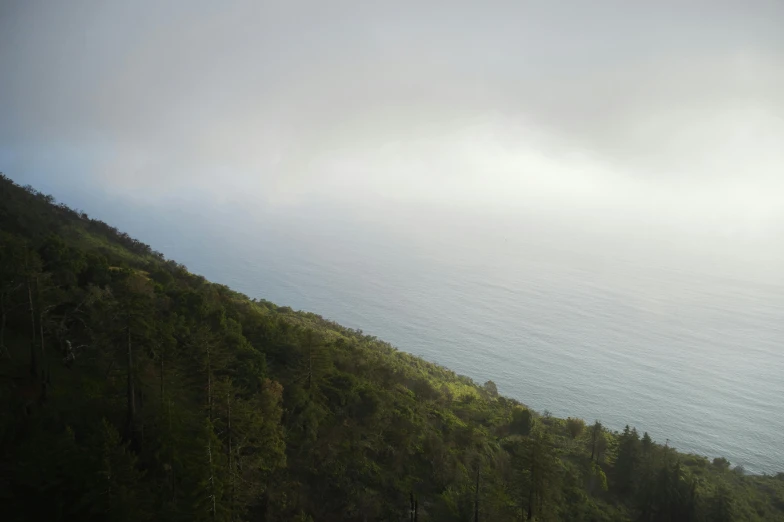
x,y
209,501
522,421
721,464
126,315
269,414
721,506
260,445
15,261
627,464
63,262
601,446
575,427
53,288
115,489
207,354
476,495
669,495
646,444
536,472
314,363
597,478
164,346
491,389
595,436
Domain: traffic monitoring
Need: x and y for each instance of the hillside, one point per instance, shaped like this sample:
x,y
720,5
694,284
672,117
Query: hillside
x,y
133,389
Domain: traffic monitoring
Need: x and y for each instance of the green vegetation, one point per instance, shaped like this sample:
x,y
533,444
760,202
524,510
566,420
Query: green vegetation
x,y
135,390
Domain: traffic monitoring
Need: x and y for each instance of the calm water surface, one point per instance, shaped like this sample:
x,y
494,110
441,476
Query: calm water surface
x,y
683,355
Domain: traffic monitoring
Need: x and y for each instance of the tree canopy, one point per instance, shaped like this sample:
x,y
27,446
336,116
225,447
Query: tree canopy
x,y
133,389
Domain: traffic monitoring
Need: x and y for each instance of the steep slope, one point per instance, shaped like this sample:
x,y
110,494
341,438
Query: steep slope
x,y
135,390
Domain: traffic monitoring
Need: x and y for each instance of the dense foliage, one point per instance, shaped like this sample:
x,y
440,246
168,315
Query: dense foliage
x,y
135,390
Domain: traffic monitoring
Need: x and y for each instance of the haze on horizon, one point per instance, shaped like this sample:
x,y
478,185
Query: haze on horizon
x,y
659,121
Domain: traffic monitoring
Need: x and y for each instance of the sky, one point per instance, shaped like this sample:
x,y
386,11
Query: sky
x,y
647,119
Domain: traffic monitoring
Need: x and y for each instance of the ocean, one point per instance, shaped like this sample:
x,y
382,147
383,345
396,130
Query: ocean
x,y
692,358
572,324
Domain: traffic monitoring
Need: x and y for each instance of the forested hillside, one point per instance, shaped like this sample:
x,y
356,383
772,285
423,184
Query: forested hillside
x,y
135,390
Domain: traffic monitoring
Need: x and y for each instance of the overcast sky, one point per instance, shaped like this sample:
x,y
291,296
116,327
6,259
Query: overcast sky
x,y
667,113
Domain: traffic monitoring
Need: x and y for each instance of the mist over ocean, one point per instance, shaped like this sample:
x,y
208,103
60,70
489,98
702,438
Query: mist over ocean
x,y
565,324
580,202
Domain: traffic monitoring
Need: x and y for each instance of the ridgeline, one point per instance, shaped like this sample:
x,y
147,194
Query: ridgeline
x,y
132,389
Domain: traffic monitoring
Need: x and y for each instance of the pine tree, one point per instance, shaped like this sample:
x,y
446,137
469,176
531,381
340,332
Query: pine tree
x,y
209,493
721,507
15,260
134,306
595,435
627,464
314,362
536,473
117,486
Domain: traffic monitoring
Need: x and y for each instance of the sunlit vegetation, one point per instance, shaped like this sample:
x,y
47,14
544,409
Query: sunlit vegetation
x,y
135,390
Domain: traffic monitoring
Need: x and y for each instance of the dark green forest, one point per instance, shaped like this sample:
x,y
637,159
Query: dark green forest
x,y
132,389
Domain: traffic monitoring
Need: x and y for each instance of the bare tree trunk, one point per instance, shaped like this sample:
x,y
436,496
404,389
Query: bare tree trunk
x,y
231,467
476,497
267,508
212,474
5,305
3,349
540,505
209,384
173,469
162,380
310,368
130,391
45,377
33,354
595,432
109,370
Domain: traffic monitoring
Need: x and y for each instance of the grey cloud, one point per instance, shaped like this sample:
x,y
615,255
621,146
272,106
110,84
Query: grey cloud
x,y
611,100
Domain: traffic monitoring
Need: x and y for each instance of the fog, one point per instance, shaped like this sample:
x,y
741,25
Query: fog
x,y
654,130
